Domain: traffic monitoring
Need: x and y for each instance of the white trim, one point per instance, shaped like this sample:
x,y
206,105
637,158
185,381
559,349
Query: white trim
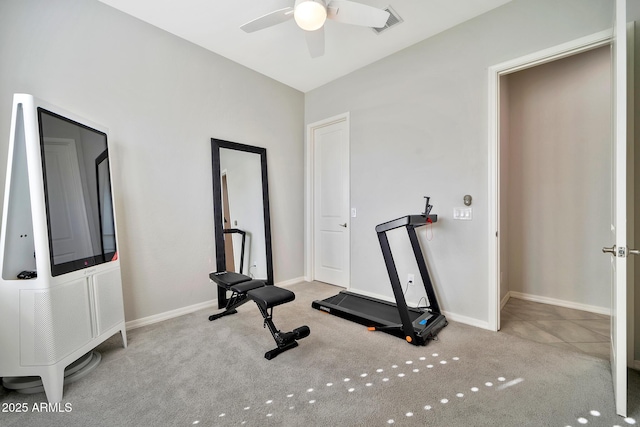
x,y
632,172
466,320
448,314
561,303
308,188
160,317
378,296
493,320
574,47
619,337
213,304
554,53
291,282
505,300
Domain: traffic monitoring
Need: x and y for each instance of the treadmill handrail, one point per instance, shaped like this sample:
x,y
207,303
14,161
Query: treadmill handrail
x,y
244,236
234,230
414,220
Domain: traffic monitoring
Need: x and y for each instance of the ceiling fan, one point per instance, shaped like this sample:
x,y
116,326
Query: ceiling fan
x,y
310,15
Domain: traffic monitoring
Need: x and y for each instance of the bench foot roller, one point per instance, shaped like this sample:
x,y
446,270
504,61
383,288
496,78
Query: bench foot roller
x,y
276,351
266,298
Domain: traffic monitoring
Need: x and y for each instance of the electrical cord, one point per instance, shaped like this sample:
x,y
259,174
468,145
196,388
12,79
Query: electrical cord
x,y
406,289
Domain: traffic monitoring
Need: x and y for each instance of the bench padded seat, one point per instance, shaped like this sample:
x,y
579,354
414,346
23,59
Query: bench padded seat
x,y
226,279
270,296
244,287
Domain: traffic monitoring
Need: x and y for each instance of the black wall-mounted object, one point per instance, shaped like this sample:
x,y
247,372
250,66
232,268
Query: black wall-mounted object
x,y
216,146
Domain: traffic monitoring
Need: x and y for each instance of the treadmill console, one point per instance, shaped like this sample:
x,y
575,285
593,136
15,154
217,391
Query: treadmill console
x,y
422,321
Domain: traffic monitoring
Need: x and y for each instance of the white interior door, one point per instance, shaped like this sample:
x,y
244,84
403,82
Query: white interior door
x,y
331,261
619,216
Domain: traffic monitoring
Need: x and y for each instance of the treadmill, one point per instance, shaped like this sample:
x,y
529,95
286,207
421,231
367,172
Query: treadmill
x,y
416,325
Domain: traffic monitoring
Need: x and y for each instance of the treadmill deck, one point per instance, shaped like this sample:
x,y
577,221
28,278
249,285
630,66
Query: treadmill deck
x,y
382,315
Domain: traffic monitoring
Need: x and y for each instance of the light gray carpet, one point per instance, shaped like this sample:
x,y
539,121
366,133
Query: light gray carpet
x,y
189,371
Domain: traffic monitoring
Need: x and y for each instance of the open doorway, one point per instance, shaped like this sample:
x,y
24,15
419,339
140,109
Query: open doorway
x,y
555,201
622,223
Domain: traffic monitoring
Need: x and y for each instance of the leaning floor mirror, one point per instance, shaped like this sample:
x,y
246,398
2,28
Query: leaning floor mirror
x,y
241,211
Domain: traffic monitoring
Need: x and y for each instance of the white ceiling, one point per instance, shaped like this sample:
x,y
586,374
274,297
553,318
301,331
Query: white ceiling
x,y
280,52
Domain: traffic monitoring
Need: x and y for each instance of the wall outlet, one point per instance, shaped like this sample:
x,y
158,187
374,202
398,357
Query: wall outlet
x,y
410,278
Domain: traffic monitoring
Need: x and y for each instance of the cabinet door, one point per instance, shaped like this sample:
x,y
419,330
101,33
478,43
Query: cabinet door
x,y
54,322
107,291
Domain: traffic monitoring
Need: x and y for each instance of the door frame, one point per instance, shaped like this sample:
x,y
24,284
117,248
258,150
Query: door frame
x,y
495,72
309,207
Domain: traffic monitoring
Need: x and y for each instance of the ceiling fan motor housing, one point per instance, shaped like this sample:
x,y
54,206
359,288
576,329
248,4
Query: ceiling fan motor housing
x,y
310,15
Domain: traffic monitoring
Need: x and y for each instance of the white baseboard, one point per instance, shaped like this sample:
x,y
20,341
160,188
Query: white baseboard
x,y
449,315
373,295
150,320
466,320
290,282
561,303
213,304
504,300
160,317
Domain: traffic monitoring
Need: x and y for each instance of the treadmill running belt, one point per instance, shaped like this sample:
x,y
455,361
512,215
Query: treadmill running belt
x,y
369,308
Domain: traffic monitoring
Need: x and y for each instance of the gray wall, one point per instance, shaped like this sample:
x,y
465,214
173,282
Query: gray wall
x,y
419,127
162,99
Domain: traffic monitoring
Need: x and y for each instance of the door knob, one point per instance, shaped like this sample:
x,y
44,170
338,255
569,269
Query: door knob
x,y
345,226
611,250
634,251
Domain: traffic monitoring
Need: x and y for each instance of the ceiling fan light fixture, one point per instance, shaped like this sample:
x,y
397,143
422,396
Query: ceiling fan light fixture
x,y
310,15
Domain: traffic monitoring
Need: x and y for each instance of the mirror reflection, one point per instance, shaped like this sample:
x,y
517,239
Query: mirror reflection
x,y
243,218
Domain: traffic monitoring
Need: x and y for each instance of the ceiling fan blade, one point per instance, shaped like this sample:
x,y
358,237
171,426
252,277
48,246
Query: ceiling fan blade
x,y
349,12
268,20
315,42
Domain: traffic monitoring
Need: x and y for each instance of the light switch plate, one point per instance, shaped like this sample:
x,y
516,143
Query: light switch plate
x,y
464,214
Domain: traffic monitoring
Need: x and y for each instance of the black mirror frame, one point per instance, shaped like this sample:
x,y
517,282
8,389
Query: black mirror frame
x,y
216,145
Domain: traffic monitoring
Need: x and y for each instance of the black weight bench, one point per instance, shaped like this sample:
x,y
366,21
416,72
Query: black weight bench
x,y
243,289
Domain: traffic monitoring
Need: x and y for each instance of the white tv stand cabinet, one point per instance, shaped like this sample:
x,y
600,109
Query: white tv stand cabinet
x,y
47,322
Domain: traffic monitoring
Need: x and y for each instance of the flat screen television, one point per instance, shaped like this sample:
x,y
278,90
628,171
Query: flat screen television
x,y
78,197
